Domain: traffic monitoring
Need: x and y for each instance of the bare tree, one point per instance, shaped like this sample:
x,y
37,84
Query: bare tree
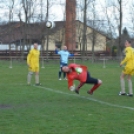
x,y
11,7
79,24
27,9
83,32
131,22
84,41
120,25
94,22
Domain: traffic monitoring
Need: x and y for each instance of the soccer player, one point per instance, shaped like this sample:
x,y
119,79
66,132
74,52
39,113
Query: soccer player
x,y
128,69
80,73
33,64
64,56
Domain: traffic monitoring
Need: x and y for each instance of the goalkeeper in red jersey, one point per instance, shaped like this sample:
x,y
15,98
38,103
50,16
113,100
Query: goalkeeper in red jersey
x,y
80,73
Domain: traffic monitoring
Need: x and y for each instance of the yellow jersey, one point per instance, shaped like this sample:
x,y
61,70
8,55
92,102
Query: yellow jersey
x,y
128,60
33,58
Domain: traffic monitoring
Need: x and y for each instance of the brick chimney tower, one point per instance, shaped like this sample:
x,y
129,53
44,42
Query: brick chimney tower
x,y
70,29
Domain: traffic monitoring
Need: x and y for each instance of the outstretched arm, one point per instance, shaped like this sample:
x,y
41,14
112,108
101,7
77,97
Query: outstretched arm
x,y
80,85
56,50
70,83
71,55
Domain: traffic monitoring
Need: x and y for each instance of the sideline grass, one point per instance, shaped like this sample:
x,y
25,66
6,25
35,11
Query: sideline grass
x,y
31,110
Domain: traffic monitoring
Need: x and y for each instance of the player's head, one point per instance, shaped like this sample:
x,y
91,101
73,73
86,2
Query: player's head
x,y
35,45
127,43
65,69
64,47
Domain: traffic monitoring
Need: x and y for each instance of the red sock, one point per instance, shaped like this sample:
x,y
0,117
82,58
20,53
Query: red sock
x,y
95,87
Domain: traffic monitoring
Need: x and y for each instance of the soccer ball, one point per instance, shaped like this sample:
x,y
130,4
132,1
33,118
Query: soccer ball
x,y
50,24
72,88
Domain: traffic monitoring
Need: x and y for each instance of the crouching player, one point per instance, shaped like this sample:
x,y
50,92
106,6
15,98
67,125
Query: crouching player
x,y
80,73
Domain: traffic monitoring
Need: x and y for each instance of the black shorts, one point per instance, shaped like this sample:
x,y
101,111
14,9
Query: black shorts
x,y
90,79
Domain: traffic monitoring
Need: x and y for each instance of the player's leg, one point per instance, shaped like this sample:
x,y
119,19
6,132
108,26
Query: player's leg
x,y
64,74
29,77
130,86
96,82
60,72
37,81
95,86
122,83
37,78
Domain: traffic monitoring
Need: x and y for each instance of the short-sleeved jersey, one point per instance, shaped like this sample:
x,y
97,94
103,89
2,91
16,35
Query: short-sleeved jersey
x,y
129,58
64,55
33,58
74,75
129,61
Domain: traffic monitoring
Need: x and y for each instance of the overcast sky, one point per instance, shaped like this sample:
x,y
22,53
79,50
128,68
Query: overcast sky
x,y
57,10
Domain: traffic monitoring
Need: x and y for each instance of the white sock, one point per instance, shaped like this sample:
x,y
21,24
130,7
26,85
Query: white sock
x,y
122,82
37,78
29,77
130,86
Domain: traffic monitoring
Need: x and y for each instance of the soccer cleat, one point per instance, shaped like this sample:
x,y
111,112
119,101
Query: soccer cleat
x,y
59,78
65,78
90,92
38,84
131,95
76,91
122,93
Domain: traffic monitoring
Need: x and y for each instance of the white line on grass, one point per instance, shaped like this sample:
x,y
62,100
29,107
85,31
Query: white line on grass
x,y
87,98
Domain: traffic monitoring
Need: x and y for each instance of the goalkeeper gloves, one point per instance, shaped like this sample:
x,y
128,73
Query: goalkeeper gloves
x,y
78,70
72,88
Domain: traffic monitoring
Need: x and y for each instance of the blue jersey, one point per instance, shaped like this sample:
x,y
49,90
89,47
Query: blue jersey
x,y
64,55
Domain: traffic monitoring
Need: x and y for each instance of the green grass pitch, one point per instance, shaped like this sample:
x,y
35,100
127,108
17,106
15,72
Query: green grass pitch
x,y
53,109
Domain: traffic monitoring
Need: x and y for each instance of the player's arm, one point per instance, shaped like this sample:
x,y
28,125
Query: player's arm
x,y
70,84
72,87
127,57
80,85
71,55
57,51
29,57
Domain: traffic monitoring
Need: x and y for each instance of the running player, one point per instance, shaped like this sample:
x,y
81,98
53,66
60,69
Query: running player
x,y
80,73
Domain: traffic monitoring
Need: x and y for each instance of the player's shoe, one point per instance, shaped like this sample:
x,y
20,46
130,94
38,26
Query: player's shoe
x,y
38,84
90,92
76,91
131,95
120,93
59,78
65,78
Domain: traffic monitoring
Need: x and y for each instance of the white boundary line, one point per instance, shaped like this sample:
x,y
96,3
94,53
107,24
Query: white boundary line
x,y
87,98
